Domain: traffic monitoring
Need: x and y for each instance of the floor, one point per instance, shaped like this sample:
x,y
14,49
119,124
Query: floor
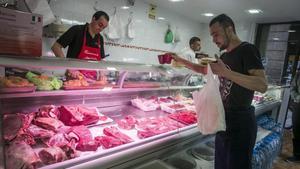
x,y
287,151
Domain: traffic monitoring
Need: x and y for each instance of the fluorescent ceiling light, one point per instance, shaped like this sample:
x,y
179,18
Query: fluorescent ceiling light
x,y
125,7
176,0
254,11
208,14
111,68
276,39
291,31
161,18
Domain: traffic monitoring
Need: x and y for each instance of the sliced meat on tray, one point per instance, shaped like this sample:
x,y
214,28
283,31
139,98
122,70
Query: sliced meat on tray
x,y
127,123
148,127
52,155
116,133
20,155
186,117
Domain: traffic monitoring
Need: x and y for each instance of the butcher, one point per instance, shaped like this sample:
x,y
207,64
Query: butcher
x,y
84,41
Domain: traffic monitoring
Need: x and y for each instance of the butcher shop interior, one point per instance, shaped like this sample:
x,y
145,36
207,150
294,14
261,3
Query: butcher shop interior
x,y
149,84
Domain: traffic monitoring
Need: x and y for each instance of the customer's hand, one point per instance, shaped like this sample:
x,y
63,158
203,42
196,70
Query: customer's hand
x,y
219,68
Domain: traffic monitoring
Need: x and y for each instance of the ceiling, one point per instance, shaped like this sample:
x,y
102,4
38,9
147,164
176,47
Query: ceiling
x,y
273,10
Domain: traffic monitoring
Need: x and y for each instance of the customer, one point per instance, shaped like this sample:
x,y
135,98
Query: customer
x,y
295,95
84,41
241,73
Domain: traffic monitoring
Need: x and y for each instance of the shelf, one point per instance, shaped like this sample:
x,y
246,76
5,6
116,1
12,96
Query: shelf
x,y
93,91
67,63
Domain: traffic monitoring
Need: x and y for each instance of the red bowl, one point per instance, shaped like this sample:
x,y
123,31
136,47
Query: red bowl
x,y
167,58
161,59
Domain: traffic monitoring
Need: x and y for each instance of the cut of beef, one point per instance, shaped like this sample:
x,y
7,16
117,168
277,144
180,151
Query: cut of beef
x,y
70,115
48,123
58,140
90,115
48,111
20,155
15,124
86,141
78,115
39,133
108,141
12,123
87,145
116,133
52,155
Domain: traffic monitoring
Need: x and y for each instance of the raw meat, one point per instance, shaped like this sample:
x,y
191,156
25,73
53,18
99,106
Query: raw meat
x,y
148,127
12,123
20,155
186,117
90,115
70,116
86,141
27,138
127,123
116,133
48,111
38,132
52,155
58,140
78,115
91,145
48,123
16,124
108,141
145,104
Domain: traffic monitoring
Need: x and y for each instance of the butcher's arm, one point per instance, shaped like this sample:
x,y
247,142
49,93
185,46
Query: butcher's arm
x,y
57,50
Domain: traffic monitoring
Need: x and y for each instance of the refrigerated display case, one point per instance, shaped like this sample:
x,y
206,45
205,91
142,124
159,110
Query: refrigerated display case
x,y
149,134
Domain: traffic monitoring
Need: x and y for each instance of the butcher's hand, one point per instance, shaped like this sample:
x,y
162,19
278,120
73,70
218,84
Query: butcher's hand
x,y
219,68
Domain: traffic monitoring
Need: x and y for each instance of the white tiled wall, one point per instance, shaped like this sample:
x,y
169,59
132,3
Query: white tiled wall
x,y
149,33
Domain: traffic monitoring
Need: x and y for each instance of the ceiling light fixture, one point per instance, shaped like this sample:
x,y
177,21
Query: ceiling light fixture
x,y
276,39
208,14
254,11
176,0
291,31
161,18
125,7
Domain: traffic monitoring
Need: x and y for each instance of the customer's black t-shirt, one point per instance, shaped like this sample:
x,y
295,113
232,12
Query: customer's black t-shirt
x,y
241,59
73,38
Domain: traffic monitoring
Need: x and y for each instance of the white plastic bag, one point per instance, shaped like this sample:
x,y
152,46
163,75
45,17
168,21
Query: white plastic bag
x,y
114,28
209,106
177,37
130,27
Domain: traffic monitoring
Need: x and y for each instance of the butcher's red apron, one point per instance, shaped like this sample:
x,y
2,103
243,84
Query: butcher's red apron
x,y
89,53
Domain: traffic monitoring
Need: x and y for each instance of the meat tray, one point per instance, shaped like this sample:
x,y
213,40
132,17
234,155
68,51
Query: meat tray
x,y
18,89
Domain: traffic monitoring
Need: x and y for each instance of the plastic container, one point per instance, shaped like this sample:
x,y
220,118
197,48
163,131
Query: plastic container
x,y
144,107
182,162
168,107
